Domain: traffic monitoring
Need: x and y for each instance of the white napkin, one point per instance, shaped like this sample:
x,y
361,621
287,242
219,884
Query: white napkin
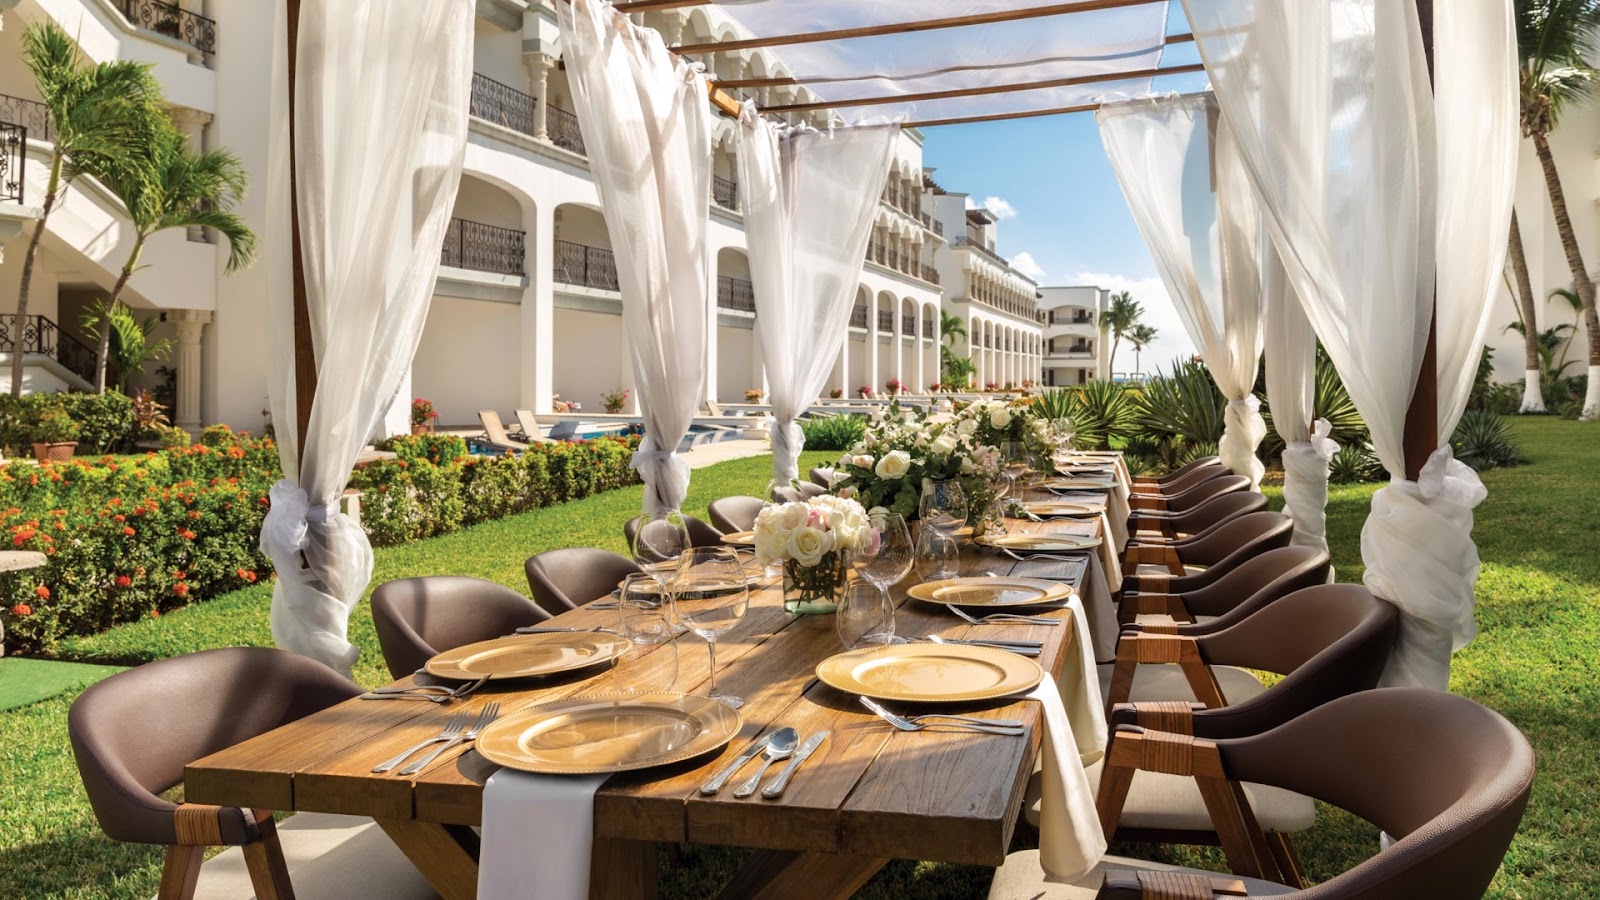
x,y
1071,841
538,832
1111,542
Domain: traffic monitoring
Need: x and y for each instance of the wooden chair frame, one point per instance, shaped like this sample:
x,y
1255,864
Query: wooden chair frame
x,y
1163,649
199,826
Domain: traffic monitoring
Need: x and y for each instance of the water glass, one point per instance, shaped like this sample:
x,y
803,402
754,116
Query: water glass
x,y
650,663
711,613
888,555
937,555
865,616
942,506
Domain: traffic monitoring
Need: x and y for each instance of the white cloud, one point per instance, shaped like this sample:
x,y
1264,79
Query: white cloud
x,y
1000,206
1025,263
1171,342
971,203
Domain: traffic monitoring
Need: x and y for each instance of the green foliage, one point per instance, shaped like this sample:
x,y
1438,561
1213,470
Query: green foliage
x,y
104,421
53,426
1556,39
434,448
1483,441
836,433
126,339
1330,401
1183,408
172,437
1102,412
218,437
1354,463
1194,451
1051,404
1122,316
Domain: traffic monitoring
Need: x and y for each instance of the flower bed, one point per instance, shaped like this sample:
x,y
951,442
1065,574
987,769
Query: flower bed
x,y
130,537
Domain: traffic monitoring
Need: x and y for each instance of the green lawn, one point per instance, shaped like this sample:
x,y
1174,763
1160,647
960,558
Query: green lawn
x,y
1539,615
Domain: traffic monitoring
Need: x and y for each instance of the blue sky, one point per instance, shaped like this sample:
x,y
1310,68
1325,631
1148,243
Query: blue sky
x,y
1049,181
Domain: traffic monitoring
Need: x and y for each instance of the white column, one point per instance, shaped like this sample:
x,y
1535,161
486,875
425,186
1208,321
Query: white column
x,y
841,366
536,369
190,325
193,122
758,371
869,365
922,381
539,66
708,387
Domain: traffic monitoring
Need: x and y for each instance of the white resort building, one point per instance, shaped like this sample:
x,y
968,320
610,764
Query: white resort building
x,y
1073,349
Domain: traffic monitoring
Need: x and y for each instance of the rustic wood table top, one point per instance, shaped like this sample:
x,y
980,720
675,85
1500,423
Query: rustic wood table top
x,y
871,793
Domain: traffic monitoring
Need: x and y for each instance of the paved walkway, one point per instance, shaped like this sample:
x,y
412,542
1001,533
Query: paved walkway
x,y
710,454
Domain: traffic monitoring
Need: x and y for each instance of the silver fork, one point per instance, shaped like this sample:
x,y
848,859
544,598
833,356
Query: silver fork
x,y
489,714
437,693
905,724
877,707
453,727
1002,618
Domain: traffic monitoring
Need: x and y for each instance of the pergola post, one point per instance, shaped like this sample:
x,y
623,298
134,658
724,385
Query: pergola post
x,y
1421,435
305,358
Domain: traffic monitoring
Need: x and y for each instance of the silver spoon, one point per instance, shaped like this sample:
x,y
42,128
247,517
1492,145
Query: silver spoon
x,y
781,747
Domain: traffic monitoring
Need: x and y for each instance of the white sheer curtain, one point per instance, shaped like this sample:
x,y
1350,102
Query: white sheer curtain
x,y
1291,363
809,199
1362,204
380,112
647,127
1192,202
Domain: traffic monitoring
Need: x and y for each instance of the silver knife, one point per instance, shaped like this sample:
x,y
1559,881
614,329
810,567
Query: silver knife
x,y
775,786
716,781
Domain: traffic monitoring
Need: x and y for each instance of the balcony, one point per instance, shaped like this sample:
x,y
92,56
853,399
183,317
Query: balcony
x,y
42,336
29,114
927,329
502,104
885,322
13,158
735,294
584,266
725,193
1076,351
1078,318
564,130
908,326
930,274
858,317
169,19
484,248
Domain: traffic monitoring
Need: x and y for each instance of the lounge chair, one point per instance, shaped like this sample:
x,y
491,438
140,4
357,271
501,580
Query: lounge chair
x,y
530,428
495,434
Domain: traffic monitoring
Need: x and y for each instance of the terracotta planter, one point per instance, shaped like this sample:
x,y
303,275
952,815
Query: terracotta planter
x,y
54,452
426,428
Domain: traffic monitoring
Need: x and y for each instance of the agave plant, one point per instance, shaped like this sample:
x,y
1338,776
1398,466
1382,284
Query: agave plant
x,y
1185,408
1102,411
1482,440
1353,463
1331,402
1052,403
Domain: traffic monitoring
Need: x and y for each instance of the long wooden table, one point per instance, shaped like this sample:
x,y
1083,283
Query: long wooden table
x,y
870,794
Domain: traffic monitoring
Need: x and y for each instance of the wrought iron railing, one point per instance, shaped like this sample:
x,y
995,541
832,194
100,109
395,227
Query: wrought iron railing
x,y
30,114
502,104
858,317
908,325
564,130
579,264
172,20
930,274
927,329
42,336
735,293
885,321
725,193
13,159
486,248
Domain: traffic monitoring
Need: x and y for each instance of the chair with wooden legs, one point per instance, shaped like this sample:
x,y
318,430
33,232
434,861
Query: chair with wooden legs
x,y
419,618
569,577
1201,560
731,515
1156,505
1183,482
1446,778
1157,528
133,733
1142,482
1256,582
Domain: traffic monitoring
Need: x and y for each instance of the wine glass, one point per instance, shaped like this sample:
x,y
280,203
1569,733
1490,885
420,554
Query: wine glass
x,y
937,555
710,596
865,616
888,554
659,541
650,664
943,506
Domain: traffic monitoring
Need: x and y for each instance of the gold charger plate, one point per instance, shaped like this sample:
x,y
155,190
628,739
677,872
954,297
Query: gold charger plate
x,y
1076,484
741,538
1063,508
930,673
527,655
1048,542
602,733
989,591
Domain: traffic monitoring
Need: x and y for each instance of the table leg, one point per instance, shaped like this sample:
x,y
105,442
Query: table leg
x,y
446,855
623,868
785,874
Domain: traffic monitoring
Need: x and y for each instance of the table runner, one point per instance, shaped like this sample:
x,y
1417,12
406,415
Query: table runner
x,y
1071,841
538,836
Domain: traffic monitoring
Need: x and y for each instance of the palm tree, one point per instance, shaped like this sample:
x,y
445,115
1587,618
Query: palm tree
x,y
1532,395
100,113
1555,40
172,186
128,347
1124,313
1139,337
951,327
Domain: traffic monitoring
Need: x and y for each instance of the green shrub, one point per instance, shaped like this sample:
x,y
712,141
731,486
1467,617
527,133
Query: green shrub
x,y
1330,401
172,437
839,432
1183,408
218,436
1482,440
1052,403
1102,412
1192,452
1353,463
435,448
105,421
53,426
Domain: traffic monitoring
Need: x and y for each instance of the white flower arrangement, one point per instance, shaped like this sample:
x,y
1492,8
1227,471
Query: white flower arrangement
x,y
903,446
805,532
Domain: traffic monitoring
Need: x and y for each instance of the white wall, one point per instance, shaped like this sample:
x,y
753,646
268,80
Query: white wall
x,y
589,356
468,359
734,361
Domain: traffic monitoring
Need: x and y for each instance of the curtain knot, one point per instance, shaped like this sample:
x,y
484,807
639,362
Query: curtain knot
x,y
1322,442
1444,477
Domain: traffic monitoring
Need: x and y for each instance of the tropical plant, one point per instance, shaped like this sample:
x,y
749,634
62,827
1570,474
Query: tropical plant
x,y
167,184
1353,463
129,348
1183,409
951,327
1051,404
1123,315
100,113
1555,41
54,426
615,401
959,371
1139,337
1329,401
1482,440
1102,411
149,416
839,432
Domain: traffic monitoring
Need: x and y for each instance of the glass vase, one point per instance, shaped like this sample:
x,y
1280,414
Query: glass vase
x,y
815,590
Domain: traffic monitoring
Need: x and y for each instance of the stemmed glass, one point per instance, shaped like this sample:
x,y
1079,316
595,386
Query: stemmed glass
x,y
865,616
658,544
888,555
710,596
943,506
643,623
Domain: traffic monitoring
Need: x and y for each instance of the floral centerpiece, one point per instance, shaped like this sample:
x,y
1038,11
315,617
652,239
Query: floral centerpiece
x,y
815,540
905,447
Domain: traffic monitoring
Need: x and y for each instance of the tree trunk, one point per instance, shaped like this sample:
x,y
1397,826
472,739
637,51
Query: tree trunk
x,y
1532,395
105,320
1111,362
1580,275
19,322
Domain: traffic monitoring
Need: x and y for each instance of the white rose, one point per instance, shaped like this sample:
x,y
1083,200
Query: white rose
x,y
846,493
967,426
768,549
1000,418
944,444
862,461
790,516
893,465
967,468
807,545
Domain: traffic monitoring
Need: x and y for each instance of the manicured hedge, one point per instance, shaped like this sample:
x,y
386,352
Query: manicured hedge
x,y
104,420
130,537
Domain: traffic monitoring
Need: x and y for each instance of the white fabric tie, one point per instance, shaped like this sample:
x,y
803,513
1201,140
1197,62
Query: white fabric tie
x,y
1071,841
538,836
788,439
324,563
1305,485
665,474
1418,547
1243,429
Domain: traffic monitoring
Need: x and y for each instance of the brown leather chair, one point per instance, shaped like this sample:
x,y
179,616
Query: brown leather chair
x,y
731,515
1327,641
823,476
700,533
784,493
133,733
1171,504
1175,474
565,579
419,618
1183,482
1445,777
1198,561
1253,584
1218,509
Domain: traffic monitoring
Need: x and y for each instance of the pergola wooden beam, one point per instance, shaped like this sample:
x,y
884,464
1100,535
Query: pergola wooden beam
x,y
1000,117
1421,435
843,34
305,358
987,89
